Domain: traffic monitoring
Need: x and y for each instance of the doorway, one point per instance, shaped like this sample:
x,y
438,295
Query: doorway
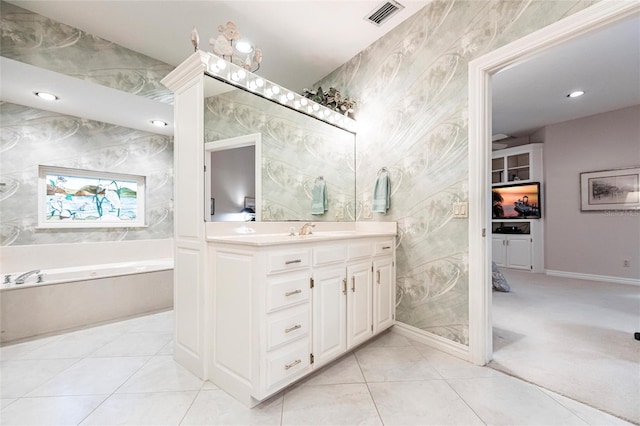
x,y
233,176
480,71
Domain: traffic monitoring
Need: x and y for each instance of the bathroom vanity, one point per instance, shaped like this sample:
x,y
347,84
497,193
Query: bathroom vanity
x,y
287,305
256,308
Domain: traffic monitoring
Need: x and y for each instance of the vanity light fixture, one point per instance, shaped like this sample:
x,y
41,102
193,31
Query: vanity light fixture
x,y
243,46
243,77
46,96
575,94
159,123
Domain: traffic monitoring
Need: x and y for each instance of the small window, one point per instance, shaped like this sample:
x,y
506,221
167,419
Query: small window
x,y
73,198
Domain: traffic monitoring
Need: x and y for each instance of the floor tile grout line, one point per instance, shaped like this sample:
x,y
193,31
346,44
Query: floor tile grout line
x,y
190,405
50,379
464,400
366,383
541,390
116,389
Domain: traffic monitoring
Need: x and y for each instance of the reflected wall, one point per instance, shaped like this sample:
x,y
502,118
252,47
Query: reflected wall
x,y
296,150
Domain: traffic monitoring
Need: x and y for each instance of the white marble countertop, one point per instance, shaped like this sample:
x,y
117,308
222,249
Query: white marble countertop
x,y
269,234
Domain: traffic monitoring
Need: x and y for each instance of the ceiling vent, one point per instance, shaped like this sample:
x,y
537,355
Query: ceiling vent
x,y
383,12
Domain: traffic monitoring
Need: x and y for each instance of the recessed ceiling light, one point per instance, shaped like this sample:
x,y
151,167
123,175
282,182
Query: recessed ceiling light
x,y
46,96
575,94
159,123
244,47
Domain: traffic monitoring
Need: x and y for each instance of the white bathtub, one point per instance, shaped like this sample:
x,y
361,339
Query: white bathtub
x,y
85,273
71,297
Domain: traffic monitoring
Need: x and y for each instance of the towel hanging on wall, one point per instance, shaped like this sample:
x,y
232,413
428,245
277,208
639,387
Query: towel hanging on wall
x,y
382,192
319,202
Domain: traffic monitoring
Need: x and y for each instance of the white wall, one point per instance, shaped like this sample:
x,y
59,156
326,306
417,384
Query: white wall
x,y
232,178
590,242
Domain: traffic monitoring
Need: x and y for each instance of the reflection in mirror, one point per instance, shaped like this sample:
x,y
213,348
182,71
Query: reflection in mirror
x,y
293,152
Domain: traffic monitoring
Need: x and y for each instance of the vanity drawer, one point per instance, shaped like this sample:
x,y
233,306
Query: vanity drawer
x,y
283,328
289,260
288,290
383,247
287,365
325,255
359,250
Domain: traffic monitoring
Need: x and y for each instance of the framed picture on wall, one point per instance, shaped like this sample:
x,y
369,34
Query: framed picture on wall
x,y
617,189
74,198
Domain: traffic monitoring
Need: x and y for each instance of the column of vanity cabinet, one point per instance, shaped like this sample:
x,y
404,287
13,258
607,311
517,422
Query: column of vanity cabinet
x,y
290,309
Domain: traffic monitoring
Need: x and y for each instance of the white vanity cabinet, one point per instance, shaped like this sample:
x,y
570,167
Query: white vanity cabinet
x,y
282,310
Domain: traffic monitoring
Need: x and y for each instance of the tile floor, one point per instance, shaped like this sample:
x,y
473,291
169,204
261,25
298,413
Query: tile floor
x,y
123,373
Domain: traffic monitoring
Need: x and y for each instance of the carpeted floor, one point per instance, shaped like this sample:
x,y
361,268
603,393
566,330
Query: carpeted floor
x,y
573,337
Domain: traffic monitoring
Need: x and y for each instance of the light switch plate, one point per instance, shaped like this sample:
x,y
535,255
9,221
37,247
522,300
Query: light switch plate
x,y
461,210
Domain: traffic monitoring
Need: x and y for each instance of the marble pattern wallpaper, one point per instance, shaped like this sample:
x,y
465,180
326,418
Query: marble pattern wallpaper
x,y
296,150
411,87
42,42
29,137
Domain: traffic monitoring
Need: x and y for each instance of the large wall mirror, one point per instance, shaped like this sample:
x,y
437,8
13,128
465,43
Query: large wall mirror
x,y
266,157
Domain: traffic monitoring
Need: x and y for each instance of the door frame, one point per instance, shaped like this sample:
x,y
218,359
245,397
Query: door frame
x,y
253,139
480,70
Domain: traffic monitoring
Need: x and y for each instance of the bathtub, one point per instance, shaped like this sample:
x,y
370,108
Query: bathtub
x,y
85,273
72,297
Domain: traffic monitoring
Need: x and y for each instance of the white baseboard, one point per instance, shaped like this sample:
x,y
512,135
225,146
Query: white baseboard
x,y
437,342
592,277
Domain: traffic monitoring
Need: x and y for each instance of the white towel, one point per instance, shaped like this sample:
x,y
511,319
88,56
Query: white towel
x,y
381,194
319,202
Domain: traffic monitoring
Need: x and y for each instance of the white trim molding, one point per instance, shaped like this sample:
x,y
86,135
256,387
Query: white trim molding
x,y
593,277
480,71
433,340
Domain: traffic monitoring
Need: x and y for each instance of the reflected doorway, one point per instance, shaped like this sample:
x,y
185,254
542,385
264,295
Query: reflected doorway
x,y
232,179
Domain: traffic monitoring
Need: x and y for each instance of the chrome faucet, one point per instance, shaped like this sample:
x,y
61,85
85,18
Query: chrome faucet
x,y
306,228
22,277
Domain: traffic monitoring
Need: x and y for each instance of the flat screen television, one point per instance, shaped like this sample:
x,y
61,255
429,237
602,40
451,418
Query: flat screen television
x,y
517,201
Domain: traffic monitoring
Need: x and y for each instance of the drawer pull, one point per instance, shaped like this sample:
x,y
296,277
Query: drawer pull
x,y
290,329
344,286
386,247
353,283
291,293
289,262
378,279
293,364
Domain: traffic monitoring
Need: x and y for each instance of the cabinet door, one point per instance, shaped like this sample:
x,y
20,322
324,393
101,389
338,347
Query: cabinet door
x,y
519,252
329,314
384,293
499,250
359,303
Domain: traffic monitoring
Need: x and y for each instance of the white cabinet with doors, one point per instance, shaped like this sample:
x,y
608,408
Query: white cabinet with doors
x,y
512,251
384,294
519,250
294,307
520,163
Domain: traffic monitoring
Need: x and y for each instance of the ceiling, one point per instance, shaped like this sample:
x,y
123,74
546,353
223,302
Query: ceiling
x,y
303,41
605,64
